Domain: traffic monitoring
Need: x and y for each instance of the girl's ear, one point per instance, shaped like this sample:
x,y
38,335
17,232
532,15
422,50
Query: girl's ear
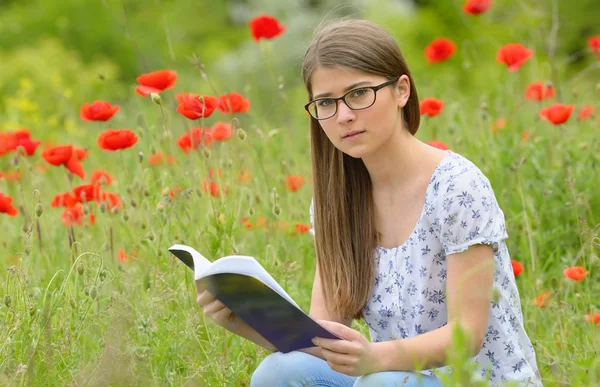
x,y
403,90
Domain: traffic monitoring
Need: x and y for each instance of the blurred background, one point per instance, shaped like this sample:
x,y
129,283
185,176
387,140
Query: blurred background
x,y
64,53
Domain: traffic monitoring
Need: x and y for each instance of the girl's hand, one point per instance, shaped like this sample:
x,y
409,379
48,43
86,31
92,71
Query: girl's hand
x,y
354,355
214,309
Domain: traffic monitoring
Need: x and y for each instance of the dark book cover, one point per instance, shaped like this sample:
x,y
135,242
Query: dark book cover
x,y
280,322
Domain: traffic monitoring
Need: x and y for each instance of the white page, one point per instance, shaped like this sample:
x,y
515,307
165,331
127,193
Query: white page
x,y
235,264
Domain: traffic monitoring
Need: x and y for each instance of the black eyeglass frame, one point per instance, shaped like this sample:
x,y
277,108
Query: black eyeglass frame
x,y
343,98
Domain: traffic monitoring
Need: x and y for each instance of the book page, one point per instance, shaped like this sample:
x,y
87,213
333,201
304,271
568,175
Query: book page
x,y
198,263
241,264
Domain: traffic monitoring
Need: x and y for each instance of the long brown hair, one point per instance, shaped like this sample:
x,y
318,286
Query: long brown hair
x,y
345,232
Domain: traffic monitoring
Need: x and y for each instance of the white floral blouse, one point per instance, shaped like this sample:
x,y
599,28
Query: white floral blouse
x,y
408,296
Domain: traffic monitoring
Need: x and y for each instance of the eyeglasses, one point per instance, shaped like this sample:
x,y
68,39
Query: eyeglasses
x,y
356,99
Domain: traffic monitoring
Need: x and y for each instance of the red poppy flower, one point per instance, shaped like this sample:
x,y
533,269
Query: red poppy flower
x,y
233,103
87,192
63,155
538,91
476,7
593,318
74,216
594,44
498,124
23,139
111,199
80,153
431,107
513,55
517,267
244,176
557,113
199,135
213,188
541,300
301,228
437,144
6,206
221,131
439,50
67,199
155,82
8,142
586,112
294,182
158,158
100,176
98,111
112,140
197,106
265,27
123,257
576,273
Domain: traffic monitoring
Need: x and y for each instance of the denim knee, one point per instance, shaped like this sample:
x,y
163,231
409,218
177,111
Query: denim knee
x,y
396,379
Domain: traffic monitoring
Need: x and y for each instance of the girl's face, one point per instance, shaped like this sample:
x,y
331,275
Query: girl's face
x,y
375,125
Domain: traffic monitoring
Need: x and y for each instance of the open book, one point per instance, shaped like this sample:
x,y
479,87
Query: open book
x,y
249,291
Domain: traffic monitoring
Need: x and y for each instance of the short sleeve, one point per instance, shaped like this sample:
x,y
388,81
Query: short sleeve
x,y
467,213
311,211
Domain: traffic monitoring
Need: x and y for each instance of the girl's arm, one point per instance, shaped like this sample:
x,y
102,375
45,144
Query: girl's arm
x,y
468,293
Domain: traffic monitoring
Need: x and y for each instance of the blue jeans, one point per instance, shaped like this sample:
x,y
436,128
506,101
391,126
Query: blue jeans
x,y
299,369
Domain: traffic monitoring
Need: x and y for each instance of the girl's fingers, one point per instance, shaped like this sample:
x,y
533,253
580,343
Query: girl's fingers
x,y
336,358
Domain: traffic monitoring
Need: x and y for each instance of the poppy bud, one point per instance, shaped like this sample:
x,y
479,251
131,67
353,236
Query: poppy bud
x,y
7,300
93,292
250,212
151,236
146,192
140,156
103,274
160,207
72,303
125,216
133,203
228,163
86,291
276,210
103,207
80,269
165,192
156,98
205,153
241,134
39,210
114,210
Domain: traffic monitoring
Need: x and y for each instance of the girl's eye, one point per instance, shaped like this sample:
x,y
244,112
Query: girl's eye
x,y
359,92
325,102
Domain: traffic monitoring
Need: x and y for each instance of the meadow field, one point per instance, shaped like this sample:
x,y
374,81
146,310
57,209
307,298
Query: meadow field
x,y
110,156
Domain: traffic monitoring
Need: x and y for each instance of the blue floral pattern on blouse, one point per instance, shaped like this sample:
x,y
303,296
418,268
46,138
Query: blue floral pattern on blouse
x,y
408,297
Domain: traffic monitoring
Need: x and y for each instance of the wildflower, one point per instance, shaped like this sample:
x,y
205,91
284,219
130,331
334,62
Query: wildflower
x,y
557,113
23,139
67,199
576,273
64,155
593,318
541,300
498,124
301,228
525,136
244,176
265,27
98,111
155,82
221,131
199,136
110,200
513,55
74,216
538,91
233,103
476,7
6,205
437,144
586,112
123,257
195,106
439,50
594,44
294,182
80,153
431,106
112,140
158,158
87,192
517,267
100,176
213,188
